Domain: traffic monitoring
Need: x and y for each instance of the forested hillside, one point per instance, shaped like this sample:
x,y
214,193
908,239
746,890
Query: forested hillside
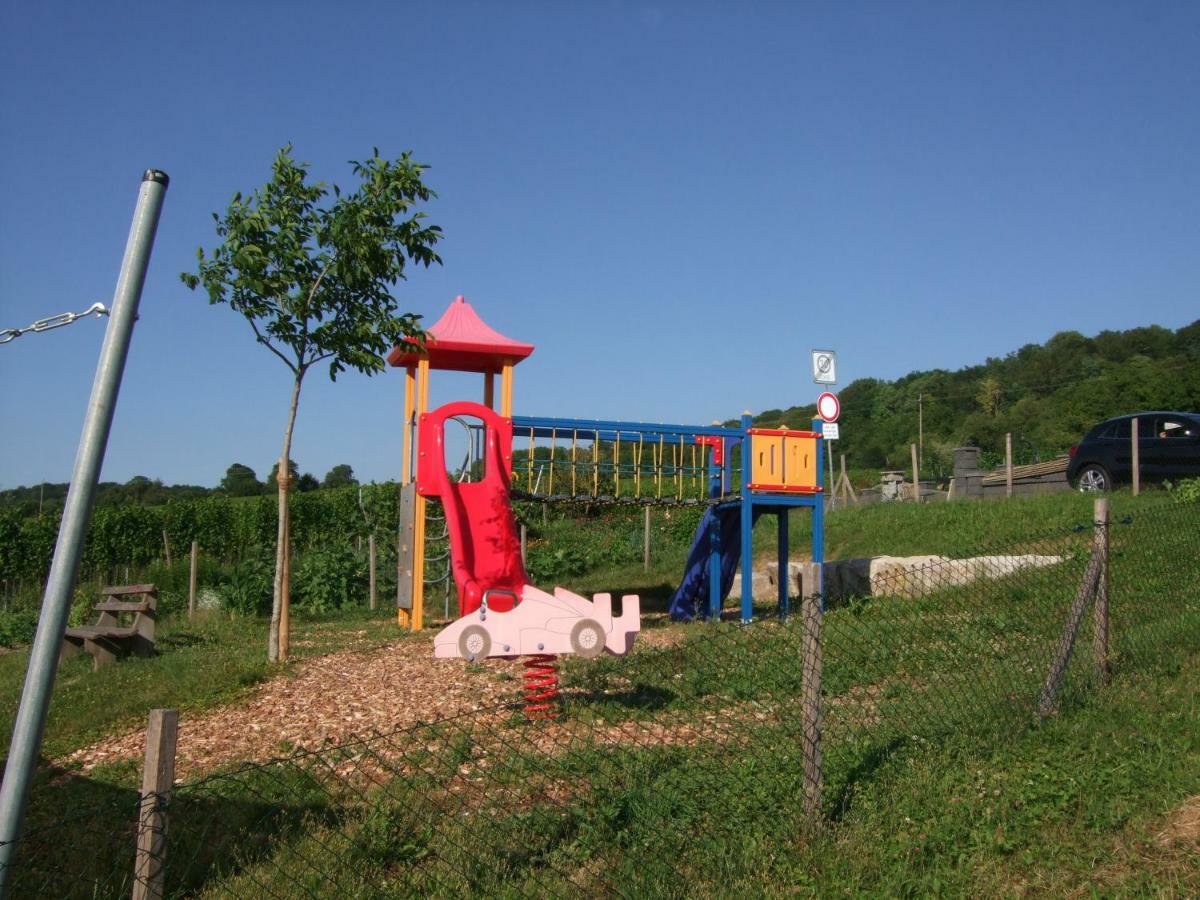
x,y
1047,395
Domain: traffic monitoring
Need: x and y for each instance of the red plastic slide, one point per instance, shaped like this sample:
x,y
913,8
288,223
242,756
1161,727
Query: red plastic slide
x,y
485,549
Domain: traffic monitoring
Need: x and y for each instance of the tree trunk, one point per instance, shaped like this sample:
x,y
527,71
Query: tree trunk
x,y
277,641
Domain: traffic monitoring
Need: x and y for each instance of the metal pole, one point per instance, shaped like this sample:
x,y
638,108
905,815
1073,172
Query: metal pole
x,y
56,603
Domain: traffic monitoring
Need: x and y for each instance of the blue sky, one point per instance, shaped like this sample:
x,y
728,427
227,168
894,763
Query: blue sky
x,y
674,202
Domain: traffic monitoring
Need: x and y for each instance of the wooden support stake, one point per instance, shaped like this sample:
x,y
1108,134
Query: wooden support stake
x,y
524,542
1134,448
166,548
1100,611
811,667
192,579
1008,478
371,563
646,540
916,475
158,777
1066,643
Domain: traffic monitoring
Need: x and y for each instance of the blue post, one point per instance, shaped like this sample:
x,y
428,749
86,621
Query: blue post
x,y
714,569
747,528
818,536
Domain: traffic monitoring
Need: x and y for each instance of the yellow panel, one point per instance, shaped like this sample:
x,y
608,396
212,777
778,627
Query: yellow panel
x,y
766,458
800,464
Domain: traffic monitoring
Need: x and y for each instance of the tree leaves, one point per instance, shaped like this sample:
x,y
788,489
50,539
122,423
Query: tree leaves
x,y
313,280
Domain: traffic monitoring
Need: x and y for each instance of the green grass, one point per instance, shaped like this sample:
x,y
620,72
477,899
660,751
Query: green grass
x,y
676,772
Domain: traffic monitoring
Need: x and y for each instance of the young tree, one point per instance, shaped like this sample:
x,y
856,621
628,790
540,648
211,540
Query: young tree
x,y
293,474
310,268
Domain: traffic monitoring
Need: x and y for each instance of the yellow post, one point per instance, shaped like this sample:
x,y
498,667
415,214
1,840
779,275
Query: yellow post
x,y
407,469
418,602
410,384
506,389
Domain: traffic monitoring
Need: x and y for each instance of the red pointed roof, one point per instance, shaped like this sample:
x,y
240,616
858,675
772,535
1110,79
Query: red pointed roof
x,y
462,342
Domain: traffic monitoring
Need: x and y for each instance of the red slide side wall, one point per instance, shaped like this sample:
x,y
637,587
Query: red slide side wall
x,y
485,548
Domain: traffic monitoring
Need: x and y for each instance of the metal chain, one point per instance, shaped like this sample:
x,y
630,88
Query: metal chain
x,y
96,309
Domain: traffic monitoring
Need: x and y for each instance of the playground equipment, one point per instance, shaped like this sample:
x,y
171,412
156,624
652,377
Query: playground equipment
x,y
739,473
543,623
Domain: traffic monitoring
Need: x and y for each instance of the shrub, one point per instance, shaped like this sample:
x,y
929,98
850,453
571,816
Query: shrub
x,y
1186,491
329,579
248,587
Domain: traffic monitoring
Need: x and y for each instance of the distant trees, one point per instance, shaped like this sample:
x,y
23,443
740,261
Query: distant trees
x,y
240,481
1046,395
339,476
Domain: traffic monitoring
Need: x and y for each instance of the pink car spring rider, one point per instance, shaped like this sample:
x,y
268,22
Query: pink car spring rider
x,y
503,614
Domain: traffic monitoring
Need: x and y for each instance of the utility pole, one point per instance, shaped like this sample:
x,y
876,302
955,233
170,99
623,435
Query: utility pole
x,y
921,429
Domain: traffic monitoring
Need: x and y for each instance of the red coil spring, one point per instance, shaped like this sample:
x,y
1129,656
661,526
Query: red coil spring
x,y
541,686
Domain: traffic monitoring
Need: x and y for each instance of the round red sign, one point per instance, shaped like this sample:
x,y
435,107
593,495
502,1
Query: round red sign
x,y
828,407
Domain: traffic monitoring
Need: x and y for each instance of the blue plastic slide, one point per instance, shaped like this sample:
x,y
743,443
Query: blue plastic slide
x,y
691,597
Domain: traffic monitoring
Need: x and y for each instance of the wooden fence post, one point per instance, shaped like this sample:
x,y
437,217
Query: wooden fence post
x,y
167,547
1134,448
646,540
1100,611
524,543
811,666
916,475
158,777
1008,478
371,562
192,579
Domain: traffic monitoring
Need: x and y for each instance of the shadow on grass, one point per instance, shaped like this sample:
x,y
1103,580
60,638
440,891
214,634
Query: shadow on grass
x,y
863,772
80,833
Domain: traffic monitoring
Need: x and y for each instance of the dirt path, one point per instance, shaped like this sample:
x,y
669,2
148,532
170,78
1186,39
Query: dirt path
x,y
329,700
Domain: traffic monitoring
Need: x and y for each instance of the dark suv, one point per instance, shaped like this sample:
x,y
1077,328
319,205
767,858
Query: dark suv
x,y
1168,447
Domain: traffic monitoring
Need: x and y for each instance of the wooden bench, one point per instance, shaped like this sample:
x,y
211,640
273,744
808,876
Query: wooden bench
x,y
108,638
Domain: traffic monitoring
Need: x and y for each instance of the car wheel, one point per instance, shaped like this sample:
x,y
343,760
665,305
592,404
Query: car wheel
x,y
474,643
587,638
1093,478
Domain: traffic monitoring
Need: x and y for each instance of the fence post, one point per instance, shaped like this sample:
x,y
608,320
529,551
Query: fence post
x,y
646,540
1137,467
811,669
192,579
158,777
524,544
167,548
1100,612
1008,467
371,562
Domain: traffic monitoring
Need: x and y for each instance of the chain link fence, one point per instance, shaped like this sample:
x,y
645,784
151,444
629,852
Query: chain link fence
x,y
705,758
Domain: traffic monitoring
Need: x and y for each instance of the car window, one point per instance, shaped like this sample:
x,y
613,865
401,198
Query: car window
x,y
1114,429
1174,427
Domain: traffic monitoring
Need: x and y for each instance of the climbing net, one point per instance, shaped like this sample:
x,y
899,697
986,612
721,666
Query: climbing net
x,y
609,463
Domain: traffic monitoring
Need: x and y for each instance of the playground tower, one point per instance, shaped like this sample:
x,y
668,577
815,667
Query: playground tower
x,y
460,341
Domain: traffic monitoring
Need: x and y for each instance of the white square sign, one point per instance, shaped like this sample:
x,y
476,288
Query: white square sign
x,y
824,366
829,431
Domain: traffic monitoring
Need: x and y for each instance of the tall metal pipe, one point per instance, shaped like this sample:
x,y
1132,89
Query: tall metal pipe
x,y
56,603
